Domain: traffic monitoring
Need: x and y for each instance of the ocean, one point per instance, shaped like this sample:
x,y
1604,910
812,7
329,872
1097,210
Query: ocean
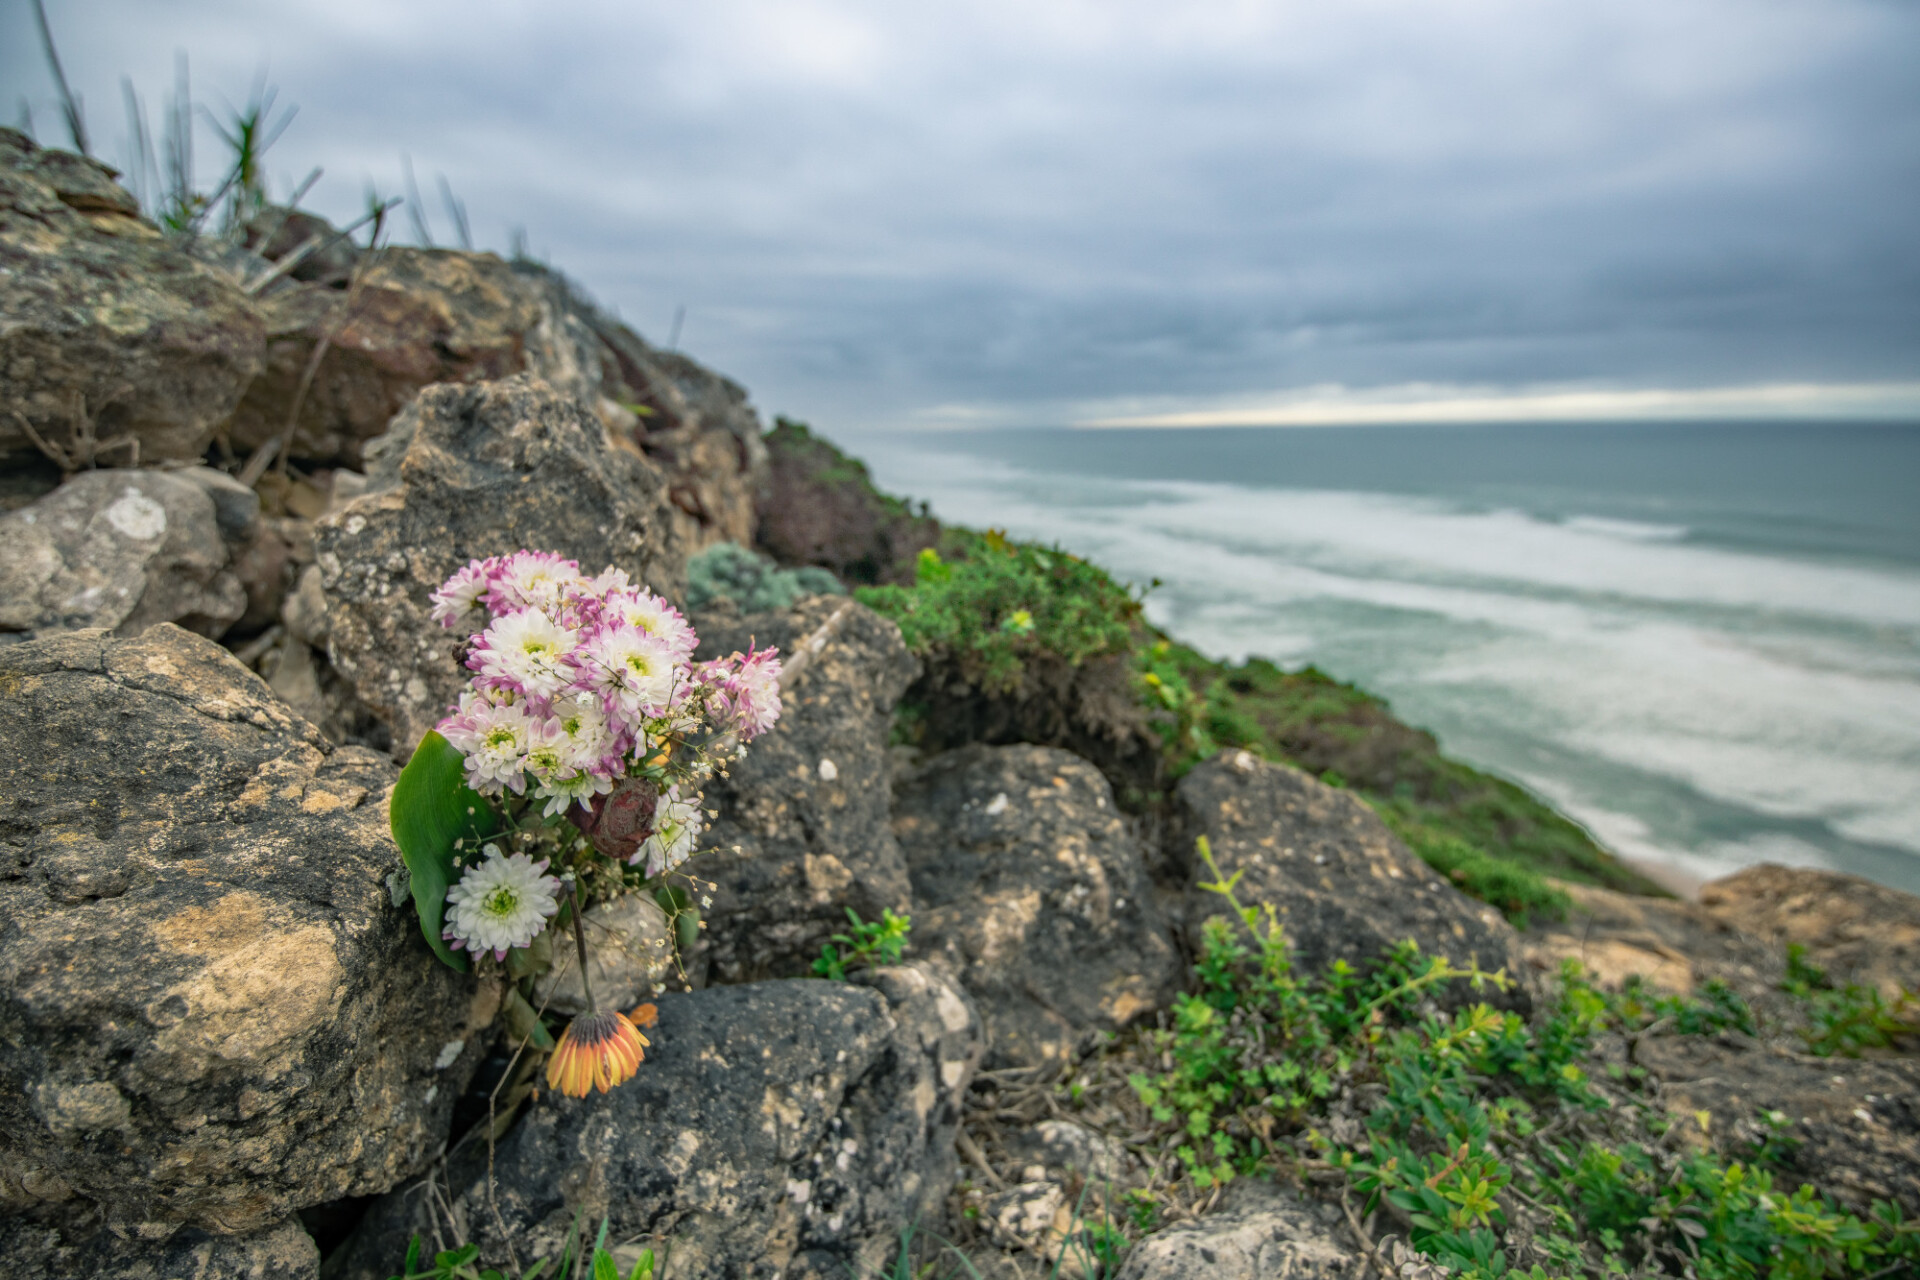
x,y
1700,640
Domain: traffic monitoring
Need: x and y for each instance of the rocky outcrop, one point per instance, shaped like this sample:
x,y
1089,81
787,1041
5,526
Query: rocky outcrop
x,y
1858,931
1031,885
211,1011
123,550
1341,884
280,1252
807,808
475,471
1258,1233
819,507
112,332
778,1129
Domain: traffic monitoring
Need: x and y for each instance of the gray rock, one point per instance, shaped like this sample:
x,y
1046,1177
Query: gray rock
x,y
1858,931
276,232
121,550
236,508
211,1012
280,1252
1343,886
111,331
481,470
778,1129
1257,1233
304,612
1030,883
808,806
1063,1148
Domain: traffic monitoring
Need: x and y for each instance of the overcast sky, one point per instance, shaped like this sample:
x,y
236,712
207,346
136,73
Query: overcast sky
x,y
1045,211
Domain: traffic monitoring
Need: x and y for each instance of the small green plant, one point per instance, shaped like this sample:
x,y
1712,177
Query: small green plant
x,y
463,1263
1847,1018
865,944
1522,893
728,571
1486,1136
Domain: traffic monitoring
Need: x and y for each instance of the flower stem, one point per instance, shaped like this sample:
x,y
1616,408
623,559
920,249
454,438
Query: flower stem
x,y
580,941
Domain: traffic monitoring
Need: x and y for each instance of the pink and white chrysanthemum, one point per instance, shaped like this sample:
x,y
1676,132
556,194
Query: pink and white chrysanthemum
x,y
636,670
676,828
558,778
494,737
647,612
527,650
461,594
533,580
746,696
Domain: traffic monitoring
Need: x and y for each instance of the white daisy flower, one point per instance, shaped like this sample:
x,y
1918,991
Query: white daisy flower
x,y
648,612
635,669
494,738
504,902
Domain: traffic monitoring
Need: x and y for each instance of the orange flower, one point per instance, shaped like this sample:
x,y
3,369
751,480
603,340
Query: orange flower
x,y
597,1050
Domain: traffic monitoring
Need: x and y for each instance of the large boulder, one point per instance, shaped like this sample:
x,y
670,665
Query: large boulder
x,y
211,1011
1858,931
475,471
1258,1233
120,550
109,330
779,1129
1030,883
283,1251
807,809
1340,883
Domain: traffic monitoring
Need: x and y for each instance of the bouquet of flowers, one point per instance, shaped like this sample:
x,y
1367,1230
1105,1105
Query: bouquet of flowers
x,y
569,773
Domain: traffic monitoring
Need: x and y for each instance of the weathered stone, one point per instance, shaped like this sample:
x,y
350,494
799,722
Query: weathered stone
x,y
1342,885
481,470
808,806
1063,1149
778,1129
107,328
1030,883
1855,1124
211,1012
422,316
34,1249
820,507
121,550
1257,1233
1858,931
236,508
276,232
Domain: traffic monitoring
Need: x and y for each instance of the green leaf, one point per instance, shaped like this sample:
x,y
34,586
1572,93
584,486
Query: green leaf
x,y
432,808
643,1266
604,1267
523,1022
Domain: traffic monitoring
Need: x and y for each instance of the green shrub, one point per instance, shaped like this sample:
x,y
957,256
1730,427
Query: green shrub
x,y
1519,891
1844,1019
992,606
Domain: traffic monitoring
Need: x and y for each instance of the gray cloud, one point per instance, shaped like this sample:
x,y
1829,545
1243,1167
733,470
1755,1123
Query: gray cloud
x,y
871,209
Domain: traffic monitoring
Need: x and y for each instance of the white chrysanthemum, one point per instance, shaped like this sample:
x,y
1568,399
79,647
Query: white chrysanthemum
x,y
559,779
528,649
460,594
583,719
635,669
676,827
493,738
648,612
504,902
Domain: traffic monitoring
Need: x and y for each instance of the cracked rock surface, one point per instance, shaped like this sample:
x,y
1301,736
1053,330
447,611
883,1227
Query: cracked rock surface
x,y
211,1012
784,1129
1030,884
